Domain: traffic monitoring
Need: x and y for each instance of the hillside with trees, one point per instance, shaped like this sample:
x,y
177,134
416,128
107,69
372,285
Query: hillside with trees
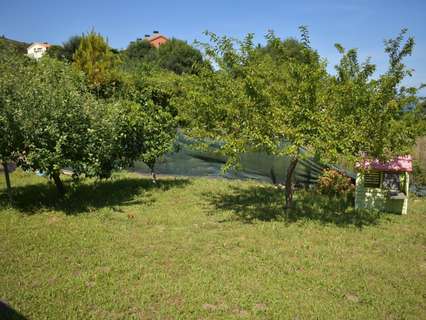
x,y
14,45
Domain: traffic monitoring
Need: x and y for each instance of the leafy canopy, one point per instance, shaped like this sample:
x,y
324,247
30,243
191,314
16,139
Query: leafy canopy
x,y
255,101
282,101
368,114
11,77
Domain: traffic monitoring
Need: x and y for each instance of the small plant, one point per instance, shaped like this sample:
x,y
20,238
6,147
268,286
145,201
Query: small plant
x,y
334,183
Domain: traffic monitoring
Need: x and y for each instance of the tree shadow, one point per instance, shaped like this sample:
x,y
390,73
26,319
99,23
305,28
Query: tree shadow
x,y
8,313
266,203
88,196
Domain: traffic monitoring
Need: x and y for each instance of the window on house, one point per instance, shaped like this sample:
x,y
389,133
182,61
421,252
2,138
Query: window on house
x,y
372,180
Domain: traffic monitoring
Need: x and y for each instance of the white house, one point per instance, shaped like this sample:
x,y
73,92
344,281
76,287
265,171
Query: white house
x,y
37,50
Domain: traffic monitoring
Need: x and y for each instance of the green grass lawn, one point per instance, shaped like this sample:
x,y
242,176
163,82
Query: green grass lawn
x,y
204,249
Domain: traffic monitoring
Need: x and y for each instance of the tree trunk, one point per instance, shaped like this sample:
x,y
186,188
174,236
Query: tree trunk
x,y
58,183
151,165
153,176
8,186
289,183
273,176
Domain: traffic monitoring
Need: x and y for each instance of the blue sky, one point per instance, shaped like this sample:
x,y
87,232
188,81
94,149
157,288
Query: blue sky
x,y
358,24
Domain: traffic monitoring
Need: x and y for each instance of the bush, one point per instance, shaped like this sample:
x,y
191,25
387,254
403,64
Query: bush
x,y
419,173
333,183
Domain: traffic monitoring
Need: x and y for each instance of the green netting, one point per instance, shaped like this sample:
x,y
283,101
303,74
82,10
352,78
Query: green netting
x,y
189,161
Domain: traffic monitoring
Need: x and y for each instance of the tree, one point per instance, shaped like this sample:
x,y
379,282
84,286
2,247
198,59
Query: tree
x,y
95,58
178,56
64,126
159,133
50,121
290,48
141,50
418,117
175,55
11,135
123,132
56,52
155,90
116,137
71,46
280,104
256,102
372,111
52,102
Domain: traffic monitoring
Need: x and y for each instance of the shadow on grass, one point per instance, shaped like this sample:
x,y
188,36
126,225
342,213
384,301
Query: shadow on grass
x,y
8,313
88,196
266,203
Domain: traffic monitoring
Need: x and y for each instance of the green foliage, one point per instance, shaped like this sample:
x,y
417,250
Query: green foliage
x,y
333,183
11,133
52,103
125,131
56,52
54,123
159,134
255,101
95,58
11,77
419,173
141,50
155,90
288,49
71,46
117,136
50,121
13,45
175,55
178,56
419,118
367,115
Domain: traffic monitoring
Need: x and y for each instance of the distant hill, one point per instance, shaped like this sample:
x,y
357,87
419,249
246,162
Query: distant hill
x,y
15,45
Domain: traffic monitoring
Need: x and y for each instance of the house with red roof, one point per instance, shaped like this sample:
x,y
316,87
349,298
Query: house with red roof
x,y
156,39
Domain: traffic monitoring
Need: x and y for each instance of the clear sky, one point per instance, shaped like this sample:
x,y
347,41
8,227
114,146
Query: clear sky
x,y
362,24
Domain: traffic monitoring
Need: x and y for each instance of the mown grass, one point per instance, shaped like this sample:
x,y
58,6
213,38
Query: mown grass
x,y
204,249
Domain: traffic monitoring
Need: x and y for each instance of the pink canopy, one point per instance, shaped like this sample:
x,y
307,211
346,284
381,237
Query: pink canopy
x,y
399,164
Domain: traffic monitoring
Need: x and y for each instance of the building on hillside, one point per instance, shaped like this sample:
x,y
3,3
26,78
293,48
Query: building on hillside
x,y
383,186
156,39
37,50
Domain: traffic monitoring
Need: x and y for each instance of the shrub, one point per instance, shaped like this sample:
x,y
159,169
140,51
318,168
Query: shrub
x,y
333,183
419,173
